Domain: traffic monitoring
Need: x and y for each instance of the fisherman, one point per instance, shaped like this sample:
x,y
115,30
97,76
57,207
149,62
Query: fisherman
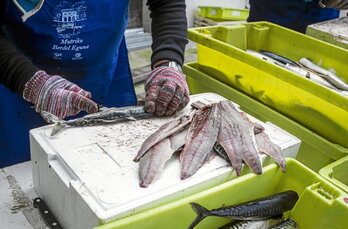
x,y
295,14
59,55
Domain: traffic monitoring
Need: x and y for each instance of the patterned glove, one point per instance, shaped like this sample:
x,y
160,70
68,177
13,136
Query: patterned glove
x,y
166,91
57,95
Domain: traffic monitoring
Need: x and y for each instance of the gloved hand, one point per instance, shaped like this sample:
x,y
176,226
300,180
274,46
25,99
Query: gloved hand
x,y
166,91
337,4
57,95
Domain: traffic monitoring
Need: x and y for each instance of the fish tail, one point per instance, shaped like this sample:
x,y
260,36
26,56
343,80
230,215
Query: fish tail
x,y
201,211
57,128
51,118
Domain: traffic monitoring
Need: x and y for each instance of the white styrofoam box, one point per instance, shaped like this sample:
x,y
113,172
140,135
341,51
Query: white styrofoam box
x,y
87,176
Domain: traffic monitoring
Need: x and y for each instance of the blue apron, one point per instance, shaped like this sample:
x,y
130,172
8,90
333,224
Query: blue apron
x,y
82,41
293,14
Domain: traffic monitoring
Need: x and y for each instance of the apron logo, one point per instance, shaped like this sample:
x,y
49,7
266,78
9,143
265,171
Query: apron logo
x,y
69,19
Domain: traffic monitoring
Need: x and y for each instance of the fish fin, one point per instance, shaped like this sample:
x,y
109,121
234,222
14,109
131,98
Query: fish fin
x,y
51,118
57,128
201,211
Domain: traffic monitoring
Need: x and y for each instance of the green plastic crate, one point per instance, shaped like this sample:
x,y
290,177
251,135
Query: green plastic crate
x,y
337,173
221,54
332,31
221,13
321,204
315,151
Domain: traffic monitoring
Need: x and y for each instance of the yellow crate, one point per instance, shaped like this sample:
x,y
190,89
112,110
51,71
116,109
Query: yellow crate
x,y
221,13
221,54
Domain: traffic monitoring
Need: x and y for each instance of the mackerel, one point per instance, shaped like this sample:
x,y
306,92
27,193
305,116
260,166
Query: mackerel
x,y
264,57
230,137
287,224
329,76
163,132
246,138
266,146
253,224
258,209
152,163
310,75
107,116
279,58
202,135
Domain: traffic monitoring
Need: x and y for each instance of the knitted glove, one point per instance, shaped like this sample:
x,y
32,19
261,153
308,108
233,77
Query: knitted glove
x,y
57,95
166,91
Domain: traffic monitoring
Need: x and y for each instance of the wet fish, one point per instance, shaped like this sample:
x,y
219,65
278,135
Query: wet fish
x,y
163,132
315,78
266,146
253,224
152,163
202,135
287,224
279,58
107,116
329,76
310,75
246,138
264,57
262,208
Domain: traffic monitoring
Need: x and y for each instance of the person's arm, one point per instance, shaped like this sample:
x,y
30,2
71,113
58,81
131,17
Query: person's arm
x,y
169,30
15,68
166,87
46,92
336,4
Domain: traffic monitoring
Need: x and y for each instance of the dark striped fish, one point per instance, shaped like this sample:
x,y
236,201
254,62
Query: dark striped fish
x,y
279,58
287,224
257,209
253,224
107,116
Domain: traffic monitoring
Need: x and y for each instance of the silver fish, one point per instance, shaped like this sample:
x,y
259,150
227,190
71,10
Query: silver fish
x,y
200,140
262,208
152,163
253,224
278,58
264,57
315,78
107,116
287,224
310,75
329,76
163,132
